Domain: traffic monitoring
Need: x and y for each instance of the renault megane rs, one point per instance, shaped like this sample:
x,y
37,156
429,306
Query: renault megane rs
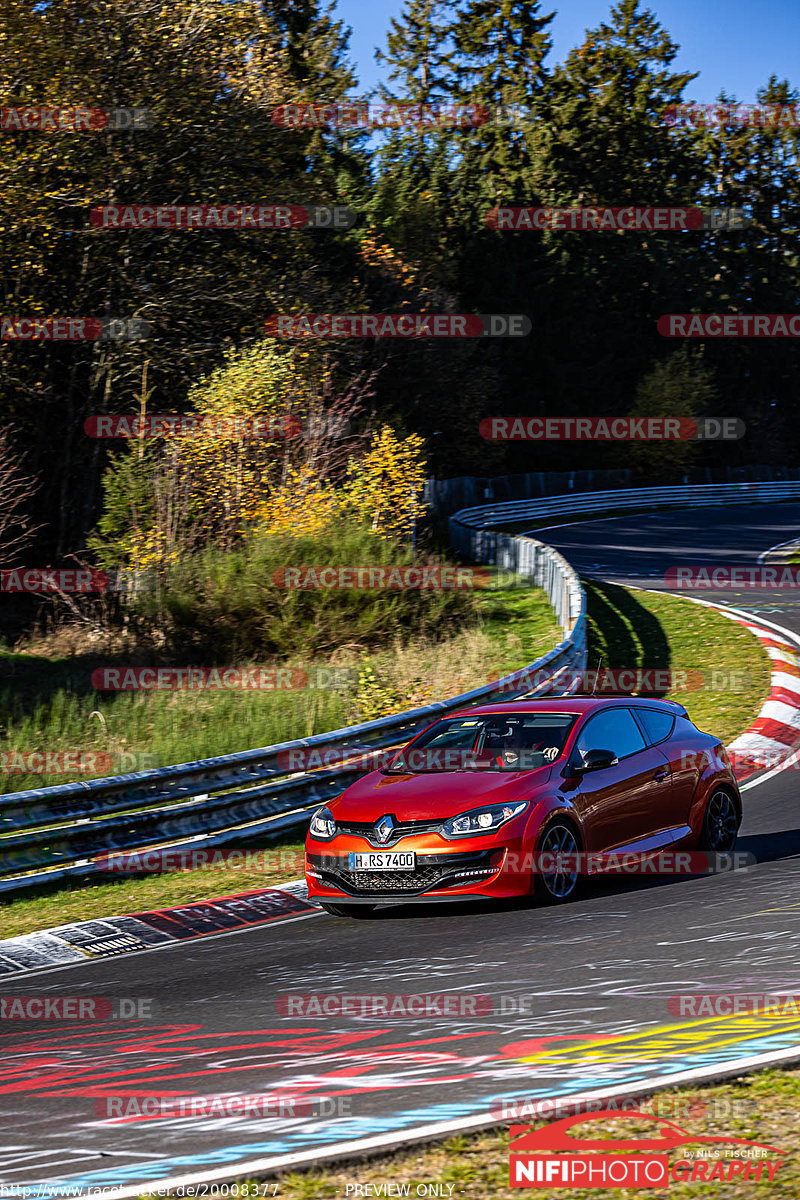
x,y
512,798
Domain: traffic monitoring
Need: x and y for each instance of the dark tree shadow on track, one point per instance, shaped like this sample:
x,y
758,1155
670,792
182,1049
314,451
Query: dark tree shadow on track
x,y
623,631
767,847
771,847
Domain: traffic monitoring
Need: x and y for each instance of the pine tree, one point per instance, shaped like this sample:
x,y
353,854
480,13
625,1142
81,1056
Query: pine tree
x,y
500,48
414,166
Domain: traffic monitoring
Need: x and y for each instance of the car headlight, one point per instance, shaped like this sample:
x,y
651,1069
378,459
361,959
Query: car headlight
x,y
482,820
323,824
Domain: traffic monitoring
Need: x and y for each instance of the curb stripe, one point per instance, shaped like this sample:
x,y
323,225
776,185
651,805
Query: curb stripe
x,y
776,729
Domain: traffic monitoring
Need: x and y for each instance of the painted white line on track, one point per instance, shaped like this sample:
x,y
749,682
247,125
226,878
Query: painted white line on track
x,y
777,546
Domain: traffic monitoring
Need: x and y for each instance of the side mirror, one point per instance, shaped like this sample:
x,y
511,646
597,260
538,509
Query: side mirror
x,y
595,760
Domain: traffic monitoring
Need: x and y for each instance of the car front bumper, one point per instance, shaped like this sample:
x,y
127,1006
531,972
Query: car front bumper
x,y
463,872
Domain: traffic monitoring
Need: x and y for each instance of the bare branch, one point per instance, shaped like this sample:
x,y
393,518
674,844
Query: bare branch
x,y
16,490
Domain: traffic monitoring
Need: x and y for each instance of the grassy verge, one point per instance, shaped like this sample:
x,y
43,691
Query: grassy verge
x,y
721,671
49,706
512,628
58,904
629,629
760,1107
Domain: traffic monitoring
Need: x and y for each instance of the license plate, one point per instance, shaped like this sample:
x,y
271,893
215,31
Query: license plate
x,y
382,860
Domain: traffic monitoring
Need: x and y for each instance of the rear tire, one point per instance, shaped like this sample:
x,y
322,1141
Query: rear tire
x,y
720,823
354,911
559,837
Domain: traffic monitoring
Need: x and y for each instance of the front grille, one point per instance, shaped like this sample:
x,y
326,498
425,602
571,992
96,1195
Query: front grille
x,y
393,881
366,829
433,871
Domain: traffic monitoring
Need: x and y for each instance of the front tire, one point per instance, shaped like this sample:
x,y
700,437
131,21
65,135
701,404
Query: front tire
x,y
558,887
720,823
354,911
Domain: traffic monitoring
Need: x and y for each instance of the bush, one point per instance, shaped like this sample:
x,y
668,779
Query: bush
x,y
226,603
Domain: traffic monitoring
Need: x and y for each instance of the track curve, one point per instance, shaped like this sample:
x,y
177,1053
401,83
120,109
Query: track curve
x,y
580,994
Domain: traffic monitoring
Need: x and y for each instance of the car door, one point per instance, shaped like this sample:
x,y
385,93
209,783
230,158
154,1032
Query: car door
x,y
617,802
672,811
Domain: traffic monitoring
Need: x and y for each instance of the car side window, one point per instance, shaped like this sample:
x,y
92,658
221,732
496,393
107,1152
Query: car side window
x,y
657,725
613,729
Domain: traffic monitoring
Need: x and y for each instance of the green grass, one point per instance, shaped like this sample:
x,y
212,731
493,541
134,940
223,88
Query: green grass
x,y
54,709
58,904
224,605
727,670
516,623
50,706
510,628
629,629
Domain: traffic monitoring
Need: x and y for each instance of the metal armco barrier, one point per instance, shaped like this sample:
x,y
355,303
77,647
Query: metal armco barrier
x,y
54,832
48,833
472,529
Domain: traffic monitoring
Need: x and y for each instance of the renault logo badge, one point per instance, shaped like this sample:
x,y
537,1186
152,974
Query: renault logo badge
x,y
384,828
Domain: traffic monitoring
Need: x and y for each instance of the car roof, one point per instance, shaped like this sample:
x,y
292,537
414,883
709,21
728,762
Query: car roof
x,y
567,704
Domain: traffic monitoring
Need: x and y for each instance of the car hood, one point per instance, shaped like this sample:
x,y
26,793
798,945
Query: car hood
x,y
434,794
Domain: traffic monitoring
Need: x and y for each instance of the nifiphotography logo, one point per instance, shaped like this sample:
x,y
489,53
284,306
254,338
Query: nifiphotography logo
x,y
622,1162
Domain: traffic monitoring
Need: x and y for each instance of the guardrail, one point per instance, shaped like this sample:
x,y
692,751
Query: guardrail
x,y
54,832
49,833
472,529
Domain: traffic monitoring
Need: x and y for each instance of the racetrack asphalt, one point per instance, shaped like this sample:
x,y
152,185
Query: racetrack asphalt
x,y
579,994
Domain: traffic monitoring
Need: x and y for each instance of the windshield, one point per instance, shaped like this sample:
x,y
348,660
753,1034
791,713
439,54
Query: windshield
x,y
498,742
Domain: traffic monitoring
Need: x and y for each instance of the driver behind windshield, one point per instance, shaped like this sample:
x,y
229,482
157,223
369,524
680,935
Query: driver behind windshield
x,y
517,742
